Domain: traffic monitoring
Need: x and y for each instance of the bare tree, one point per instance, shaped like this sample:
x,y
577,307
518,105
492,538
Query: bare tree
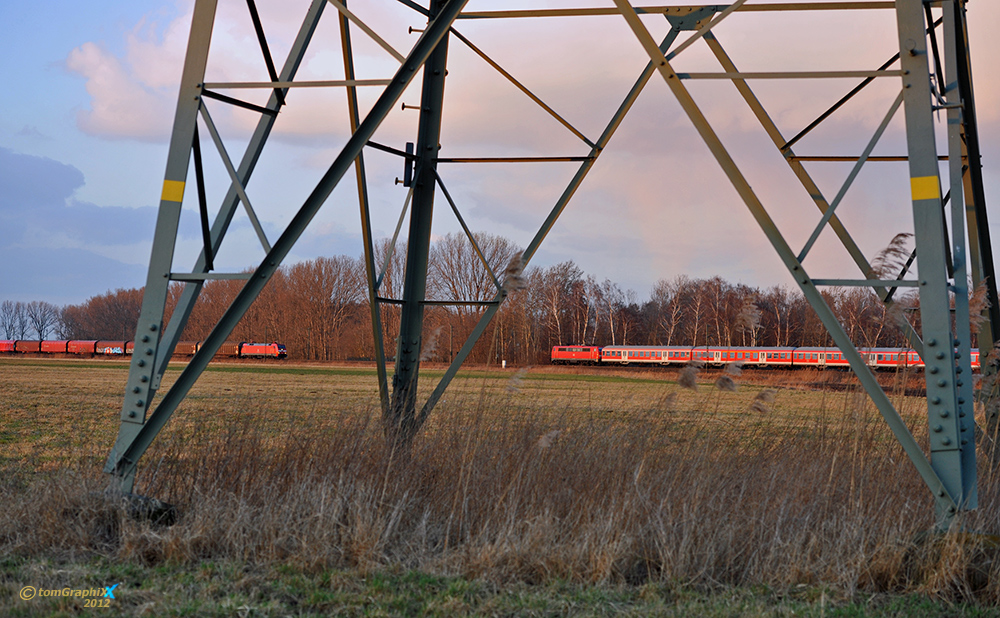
x,y
323,291
697,306
457,272
43,317
612,298
669,307
748,320
112,315
561,292
10,319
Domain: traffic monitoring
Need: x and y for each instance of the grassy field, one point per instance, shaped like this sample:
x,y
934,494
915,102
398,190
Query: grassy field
x,y
538,493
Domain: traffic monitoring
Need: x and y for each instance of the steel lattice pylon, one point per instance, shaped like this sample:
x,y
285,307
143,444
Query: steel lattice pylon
x,y
933,65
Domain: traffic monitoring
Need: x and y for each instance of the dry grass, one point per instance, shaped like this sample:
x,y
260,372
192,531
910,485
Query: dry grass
x,y
590,482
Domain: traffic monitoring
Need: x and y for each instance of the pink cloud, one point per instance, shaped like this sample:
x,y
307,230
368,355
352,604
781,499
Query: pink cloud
x,y
122,104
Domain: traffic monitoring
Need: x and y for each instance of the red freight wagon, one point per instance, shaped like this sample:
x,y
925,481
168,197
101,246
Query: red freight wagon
x,y
6,346
110,347
565,355
27,346
186,348
229,348
54,347
129,346
81,347
262,350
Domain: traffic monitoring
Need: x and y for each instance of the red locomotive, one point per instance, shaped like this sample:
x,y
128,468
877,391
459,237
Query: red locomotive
x,y
575,355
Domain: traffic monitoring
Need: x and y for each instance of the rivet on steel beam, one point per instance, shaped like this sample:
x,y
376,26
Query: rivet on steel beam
x,y
136,390
961,400
946,440
933,370
958,383
961,415
145,338
931,342
131,413
939,356
938,428
141,363
958,370
944,414
144,379
951,509
935,400
941,493
923,282
149,351
942,383
964,442
138,402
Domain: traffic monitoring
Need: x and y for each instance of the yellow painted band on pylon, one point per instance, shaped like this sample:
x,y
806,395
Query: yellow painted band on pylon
x,y
173,191
925,188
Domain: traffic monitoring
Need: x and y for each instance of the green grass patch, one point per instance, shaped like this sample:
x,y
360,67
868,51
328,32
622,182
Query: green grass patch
x,y
232,589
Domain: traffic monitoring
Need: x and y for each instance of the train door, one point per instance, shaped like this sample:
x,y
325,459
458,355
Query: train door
x,y
717,356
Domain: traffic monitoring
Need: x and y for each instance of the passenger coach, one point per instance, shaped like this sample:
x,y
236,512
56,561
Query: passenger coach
x,y
820,358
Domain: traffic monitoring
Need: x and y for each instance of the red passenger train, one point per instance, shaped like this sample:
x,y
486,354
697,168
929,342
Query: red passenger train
x,y
124,348
879,358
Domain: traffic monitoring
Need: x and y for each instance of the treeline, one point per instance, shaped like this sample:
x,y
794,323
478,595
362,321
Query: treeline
x,y
319,309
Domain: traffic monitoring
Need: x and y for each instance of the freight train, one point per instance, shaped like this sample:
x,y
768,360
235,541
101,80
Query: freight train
x,y
124,348
789,357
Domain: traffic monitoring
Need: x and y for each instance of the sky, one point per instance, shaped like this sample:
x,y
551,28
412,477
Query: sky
x,y
92,86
